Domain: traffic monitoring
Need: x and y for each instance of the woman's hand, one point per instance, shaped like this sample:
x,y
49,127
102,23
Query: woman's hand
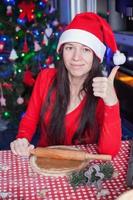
x,y
21,147
104,87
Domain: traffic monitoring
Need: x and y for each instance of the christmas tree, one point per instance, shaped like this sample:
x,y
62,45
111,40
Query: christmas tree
x,y
29,32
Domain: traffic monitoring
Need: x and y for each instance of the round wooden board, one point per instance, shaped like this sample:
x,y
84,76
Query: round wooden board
x,y
56,167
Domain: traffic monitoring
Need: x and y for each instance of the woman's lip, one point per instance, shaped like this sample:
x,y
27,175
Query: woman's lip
x,y
76,66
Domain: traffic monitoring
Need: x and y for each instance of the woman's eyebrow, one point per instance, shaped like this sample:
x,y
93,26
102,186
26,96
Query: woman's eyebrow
x,y
69,44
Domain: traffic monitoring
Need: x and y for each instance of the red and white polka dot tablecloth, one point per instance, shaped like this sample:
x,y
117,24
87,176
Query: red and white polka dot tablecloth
x,y
19,182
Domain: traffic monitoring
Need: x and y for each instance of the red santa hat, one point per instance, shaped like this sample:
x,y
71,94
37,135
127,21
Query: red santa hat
x,y
93,31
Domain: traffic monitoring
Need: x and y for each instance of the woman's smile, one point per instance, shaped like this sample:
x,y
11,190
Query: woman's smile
x,y
77,66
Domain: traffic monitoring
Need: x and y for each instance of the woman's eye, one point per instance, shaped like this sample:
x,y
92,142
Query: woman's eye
x,y
68,47
86,50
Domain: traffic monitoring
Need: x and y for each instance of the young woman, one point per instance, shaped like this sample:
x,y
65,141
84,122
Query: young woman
x,y
74,103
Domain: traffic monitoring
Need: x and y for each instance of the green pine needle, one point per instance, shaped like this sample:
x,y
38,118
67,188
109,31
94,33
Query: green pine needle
x,y
78,178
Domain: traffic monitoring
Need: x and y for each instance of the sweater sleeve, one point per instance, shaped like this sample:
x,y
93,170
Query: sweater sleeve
x,y
110,129
29,121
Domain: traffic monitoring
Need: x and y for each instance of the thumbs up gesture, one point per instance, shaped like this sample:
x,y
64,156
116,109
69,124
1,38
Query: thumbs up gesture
x,y
104,87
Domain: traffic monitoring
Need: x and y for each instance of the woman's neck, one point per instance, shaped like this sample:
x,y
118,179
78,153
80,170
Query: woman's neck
x,y
76,84
76,95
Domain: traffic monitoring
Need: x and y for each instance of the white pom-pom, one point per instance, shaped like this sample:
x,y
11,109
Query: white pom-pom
x,y
119,58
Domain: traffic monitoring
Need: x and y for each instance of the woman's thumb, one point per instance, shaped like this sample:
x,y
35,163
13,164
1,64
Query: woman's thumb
x,y
113,73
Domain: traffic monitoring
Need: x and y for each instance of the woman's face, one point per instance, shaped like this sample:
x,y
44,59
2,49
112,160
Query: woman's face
x,y
78,59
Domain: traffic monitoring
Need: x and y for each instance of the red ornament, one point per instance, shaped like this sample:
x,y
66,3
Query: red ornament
x,y
27,10
8,86
28,78
49,60
25,47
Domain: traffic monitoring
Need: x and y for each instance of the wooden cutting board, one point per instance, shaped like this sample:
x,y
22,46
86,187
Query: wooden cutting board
x,y
56,167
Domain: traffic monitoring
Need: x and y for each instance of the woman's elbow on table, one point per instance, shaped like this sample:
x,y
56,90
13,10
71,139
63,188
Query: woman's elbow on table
x,y
109,149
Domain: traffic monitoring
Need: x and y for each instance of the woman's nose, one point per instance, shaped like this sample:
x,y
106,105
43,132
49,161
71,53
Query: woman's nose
x,y
76,54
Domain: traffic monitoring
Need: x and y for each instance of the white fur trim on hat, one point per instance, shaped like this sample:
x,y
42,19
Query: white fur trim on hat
x,y
119,58
85,38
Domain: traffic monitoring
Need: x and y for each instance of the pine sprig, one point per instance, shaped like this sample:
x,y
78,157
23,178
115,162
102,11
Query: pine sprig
x,y
100,172
78,179
107,169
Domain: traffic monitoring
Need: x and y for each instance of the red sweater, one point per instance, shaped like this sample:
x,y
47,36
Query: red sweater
x,y
108,118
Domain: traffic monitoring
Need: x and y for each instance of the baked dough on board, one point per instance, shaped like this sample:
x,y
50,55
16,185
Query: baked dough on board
x,y
56,167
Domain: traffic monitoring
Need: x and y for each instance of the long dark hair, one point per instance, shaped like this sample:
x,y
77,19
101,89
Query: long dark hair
x,y
55,131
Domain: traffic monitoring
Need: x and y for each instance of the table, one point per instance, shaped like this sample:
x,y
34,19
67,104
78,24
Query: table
x,y
21,183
